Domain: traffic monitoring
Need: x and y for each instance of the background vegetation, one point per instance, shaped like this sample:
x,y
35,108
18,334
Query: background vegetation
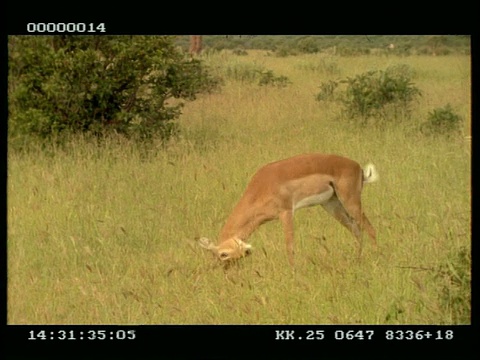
x,y
344,45
104,232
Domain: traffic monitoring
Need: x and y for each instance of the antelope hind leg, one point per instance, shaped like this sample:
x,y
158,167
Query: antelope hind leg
x,y
335,208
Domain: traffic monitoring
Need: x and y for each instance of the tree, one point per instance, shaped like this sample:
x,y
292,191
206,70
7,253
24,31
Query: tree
x,y
195,44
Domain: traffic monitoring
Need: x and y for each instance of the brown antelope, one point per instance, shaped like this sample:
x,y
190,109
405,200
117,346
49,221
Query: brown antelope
x,y
280,188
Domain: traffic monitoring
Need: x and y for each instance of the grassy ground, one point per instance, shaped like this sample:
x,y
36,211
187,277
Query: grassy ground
x,y
106,235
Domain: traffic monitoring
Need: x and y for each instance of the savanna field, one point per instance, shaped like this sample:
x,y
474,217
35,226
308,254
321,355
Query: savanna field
x,y
106,234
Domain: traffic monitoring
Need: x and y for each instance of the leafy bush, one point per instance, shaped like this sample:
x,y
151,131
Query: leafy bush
x,y
268,78
99,83
284,51
253,73
241,71
380,94
307,45
327,89
442,121
240,52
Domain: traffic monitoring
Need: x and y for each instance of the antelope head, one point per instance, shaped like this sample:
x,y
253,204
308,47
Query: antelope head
x,y
233,248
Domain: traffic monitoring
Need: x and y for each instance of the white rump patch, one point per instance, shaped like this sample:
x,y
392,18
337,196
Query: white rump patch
x,y
313,200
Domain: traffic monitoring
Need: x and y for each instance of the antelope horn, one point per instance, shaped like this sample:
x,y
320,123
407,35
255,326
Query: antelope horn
x,y
207,244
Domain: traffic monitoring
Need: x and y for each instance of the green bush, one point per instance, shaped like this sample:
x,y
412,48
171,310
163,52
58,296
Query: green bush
x,y
255,74
244,72
268,78
327,89
307,45
385,94
240,52
285,50
99,84
442,121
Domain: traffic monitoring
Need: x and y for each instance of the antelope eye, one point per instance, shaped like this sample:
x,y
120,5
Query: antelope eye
x,y
223,255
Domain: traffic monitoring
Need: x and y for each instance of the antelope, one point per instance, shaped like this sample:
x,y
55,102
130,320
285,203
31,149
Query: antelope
x,y
280,188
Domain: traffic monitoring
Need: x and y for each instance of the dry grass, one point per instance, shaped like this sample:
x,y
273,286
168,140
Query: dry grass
x,y
106,235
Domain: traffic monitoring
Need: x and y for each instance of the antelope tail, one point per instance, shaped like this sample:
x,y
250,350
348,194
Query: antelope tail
x,y
370,174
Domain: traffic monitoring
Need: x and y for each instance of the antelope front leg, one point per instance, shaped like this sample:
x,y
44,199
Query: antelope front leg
x,y
286,217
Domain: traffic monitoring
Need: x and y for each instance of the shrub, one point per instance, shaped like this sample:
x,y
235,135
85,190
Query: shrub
x,y
99,84
385,94
284,51
442,121
327,89
241,71
307,45
240,52
253,73
268,78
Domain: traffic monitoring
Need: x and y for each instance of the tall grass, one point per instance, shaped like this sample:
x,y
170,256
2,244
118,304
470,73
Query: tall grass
x,y
105,233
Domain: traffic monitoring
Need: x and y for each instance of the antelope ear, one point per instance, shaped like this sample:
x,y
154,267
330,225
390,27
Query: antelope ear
x,y
207,244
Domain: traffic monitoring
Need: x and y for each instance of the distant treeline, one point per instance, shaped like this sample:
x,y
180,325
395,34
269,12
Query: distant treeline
x,y
284,45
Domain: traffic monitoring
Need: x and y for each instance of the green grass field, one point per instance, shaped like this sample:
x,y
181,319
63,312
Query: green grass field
x,y
106,235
